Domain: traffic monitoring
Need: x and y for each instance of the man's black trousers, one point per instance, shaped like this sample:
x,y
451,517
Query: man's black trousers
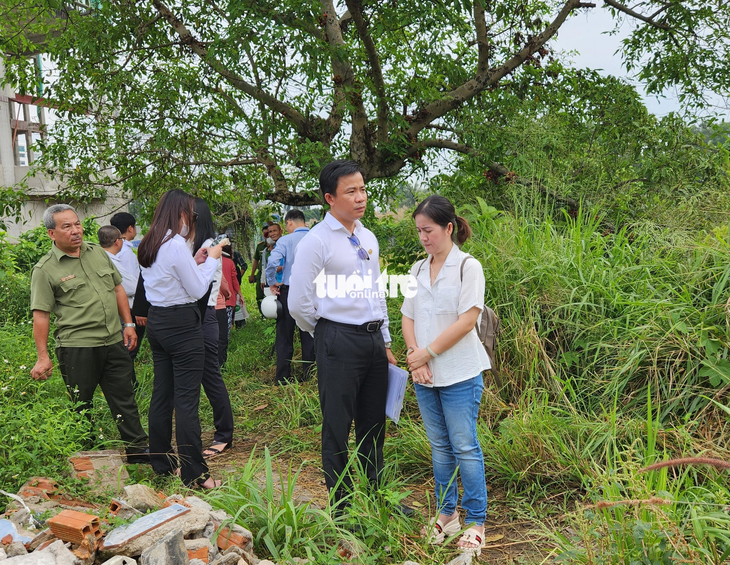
x,y
109,367
352,375
178,352
213,385
285,326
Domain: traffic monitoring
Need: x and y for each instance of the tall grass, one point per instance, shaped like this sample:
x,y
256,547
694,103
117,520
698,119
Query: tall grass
x,y
593,317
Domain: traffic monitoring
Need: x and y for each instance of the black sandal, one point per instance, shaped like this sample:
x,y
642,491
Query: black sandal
x,y
212,452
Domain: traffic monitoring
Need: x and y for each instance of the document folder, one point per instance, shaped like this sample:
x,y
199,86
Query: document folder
x,y
397,380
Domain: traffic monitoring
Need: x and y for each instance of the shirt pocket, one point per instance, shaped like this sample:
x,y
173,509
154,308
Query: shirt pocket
x,y
106,276
447,300
74,292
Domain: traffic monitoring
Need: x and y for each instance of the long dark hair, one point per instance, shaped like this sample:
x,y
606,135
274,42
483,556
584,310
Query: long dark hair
x,y
204,228
440,210
173,205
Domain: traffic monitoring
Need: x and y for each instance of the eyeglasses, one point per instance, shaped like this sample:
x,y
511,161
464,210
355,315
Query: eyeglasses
x,y
360,250
195,216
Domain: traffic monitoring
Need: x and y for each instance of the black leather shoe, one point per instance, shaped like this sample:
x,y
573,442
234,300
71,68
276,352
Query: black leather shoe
x,y
139,458
404,510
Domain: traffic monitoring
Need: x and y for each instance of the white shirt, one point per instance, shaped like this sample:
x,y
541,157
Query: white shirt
x,y
129,281
128,259
436,307
322,255
174,278
218,276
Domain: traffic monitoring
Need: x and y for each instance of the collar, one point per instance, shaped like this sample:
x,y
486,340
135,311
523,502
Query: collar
x,y
57,253
454,256
303,228
336,225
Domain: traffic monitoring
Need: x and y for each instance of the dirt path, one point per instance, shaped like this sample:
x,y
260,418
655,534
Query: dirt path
x,y
509,540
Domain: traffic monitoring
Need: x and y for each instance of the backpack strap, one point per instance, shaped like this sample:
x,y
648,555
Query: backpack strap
x,y
461,269
420,266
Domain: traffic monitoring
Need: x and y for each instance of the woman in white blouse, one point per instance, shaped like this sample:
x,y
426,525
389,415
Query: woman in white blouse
x,y
446,360
173,283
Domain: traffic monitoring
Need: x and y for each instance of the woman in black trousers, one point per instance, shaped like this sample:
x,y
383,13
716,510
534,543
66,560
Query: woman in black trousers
x,y
213,385
173,284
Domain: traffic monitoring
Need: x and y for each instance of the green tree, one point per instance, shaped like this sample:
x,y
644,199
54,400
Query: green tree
x,y
154,94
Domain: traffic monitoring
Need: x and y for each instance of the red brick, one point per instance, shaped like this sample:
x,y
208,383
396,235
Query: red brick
x,y
7,540
82,475
74,526
82,463
201,553
227,538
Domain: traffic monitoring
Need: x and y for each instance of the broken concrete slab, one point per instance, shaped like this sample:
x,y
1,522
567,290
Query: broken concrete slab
x,y
195,502
142,497
54,554
103,469
14,549
229,559
170,549
134,538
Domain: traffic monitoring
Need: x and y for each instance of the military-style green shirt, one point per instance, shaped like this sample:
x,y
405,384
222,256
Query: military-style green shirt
x,y
80,292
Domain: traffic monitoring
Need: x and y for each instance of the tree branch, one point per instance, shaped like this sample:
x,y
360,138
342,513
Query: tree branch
x,y
629,12
355,9
486,79
300,123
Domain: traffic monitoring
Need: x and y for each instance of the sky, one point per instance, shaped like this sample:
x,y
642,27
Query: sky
x,y
585,33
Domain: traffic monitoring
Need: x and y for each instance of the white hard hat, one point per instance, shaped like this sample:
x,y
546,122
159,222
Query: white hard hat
x,y
271,307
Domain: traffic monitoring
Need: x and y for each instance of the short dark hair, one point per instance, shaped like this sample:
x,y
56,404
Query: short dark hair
x,y
294,215
330,175
108,235
123,221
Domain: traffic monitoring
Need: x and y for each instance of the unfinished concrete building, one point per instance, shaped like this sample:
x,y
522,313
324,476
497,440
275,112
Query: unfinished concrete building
x,y
22,123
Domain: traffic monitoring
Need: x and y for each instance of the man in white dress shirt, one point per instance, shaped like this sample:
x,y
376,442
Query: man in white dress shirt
x,y
333,293
127,225
110,240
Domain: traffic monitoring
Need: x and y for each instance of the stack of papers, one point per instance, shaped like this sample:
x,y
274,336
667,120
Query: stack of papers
x,y
397,380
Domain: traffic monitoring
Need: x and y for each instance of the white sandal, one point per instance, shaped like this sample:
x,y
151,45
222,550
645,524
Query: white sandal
x,y
473,537
438,532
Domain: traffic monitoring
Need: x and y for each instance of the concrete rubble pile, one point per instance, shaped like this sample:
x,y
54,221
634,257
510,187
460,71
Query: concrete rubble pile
x,y
155,530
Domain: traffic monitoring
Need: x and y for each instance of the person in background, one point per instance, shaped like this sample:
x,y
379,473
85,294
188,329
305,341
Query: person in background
x,y
221,315
110,240
229,272
78,282
446,360
127,225
278,276
241,265
351,336
173,284
234,290
274,235
213,385
257,267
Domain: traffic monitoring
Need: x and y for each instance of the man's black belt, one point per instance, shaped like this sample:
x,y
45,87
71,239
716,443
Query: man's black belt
x,y
371,327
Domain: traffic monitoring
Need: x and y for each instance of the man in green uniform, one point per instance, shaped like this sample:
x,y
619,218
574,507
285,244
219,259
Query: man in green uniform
x,y
78,283
256,267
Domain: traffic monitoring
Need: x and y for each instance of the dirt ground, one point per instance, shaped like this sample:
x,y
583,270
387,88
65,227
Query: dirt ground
x,y
508,540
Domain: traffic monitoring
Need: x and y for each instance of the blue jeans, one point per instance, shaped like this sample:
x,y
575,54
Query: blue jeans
x,y
450,416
